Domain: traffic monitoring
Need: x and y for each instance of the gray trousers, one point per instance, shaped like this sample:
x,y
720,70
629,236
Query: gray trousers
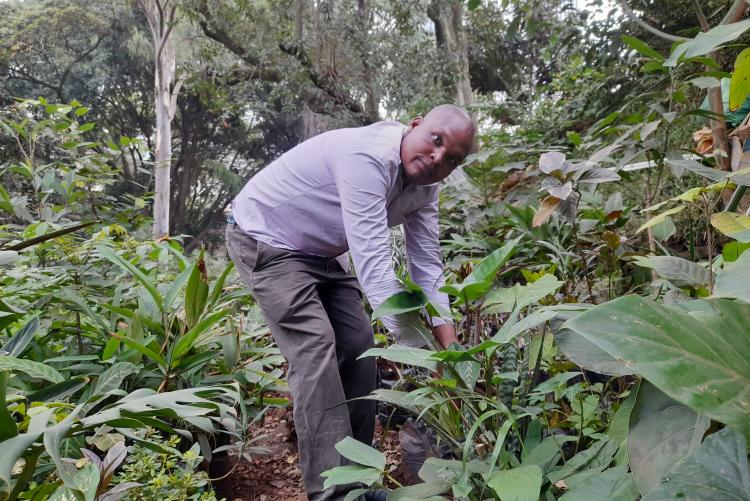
x,y
315,313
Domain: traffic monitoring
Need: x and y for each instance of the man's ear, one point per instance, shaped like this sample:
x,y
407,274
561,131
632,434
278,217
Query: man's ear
x,y
416,121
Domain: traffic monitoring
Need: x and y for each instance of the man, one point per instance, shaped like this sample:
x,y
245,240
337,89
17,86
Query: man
x,y
295,220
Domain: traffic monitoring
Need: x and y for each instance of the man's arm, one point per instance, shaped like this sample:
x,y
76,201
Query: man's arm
x,y
445,334
362,184
426,264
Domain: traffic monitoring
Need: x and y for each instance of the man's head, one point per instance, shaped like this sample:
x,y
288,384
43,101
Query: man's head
x,y
436,144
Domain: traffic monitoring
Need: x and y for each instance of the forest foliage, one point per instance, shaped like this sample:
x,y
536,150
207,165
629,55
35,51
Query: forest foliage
x,y
595,246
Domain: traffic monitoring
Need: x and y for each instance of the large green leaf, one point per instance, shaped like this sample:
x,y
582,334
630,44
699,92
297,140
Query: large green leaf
x,y
86,481
662,432
14,447
350,474
718,470
144,401
700,358
614,484
733,280
429,491
402,302
739,87
505,300
732,225
706,42
404,355
480,280
30,368
675,269
360,453
519,484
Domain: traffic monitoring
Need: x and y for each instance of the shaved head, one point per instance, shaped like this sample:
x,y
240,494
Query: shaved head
x,y
445,112
436,144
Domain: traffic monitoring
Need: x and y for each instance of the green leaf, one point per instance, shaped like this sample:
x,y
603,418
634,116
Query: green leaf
x,y
342,475
176,287
30,368
700,358
185,342
519,484
481,278
665,230
705,82
219,285
7,423
505,300
362,454
717,470
143,349
13,448
86,127
58,391
675,269
641,47
85,480
426,491
620,424
739,87
614,484
108,254
662,432
81,111
733,225
596,458
404,355
21,339
733,250
661,217
402,302
196,292
706,42
733,280
112,378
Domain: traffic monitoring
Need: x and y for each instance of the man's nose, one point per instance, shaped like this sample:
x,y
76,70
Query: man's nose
x,y
438,154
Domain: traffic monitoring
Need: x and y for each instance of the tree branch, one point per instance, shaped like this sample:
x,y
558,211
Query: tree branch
x,y
632,15
701,17
735,12
322,82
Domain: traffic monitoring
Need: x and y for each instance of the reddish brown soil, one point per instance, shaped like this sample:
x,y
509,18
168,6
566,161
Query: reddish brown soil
x,y
276,476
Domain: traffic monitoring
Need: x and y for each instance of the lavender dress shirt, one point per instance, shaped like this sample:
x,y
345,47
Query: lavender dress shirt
x,y
341,191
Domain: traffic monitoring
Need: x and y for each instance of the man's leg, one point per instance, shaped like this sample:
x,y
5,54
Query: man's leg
x,y
285,285
343,303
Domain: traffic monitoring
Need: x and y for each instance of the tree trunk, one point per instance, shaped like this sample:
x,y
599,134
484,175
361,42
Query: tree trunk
x,y
368,73
447,15
160,17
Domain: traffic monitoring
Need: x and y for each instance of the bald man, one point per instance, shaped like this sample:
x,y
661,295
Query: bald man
x,y
291,227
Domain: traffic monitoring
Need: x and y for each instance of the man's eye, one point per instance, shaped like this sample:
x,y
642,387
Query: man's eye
x,y
436,139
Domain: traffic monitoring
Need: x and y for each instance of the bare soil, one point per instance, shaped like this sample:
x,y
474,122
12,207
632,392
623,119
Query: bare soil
x,y
276,476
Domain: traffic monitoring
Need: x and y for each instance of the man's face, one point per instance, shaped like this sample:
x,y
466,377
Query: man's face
x,y
434,146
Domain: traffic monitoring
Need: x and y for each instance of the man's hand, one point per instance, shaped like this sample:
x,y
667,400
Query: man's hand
x,y
445,334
